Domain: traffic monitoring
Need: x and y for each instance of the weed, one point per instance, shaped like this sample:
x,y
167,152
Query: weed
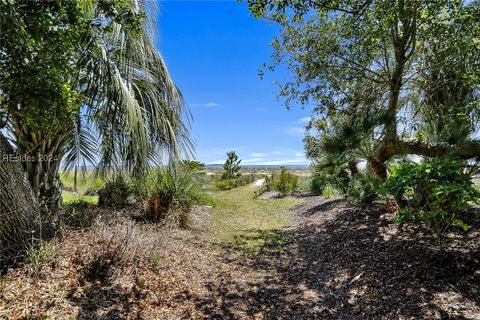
x,y
37,255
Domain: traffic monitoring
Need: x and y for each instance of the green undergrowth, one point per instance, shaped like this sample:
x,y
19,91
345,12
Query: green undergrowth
x,y
70,197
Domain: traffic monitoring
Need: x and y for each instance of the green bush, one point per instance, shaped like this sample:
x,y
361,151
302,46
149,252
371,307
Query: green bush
x,y
362,188
234,183
142,186
331,170
329,191
317,183
432,193
78,214
285,182
115,193
173,191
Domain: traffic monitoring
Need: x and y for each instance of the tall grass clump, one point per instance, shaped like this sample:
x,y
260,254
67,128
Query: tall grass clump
x,y
173,191
330,191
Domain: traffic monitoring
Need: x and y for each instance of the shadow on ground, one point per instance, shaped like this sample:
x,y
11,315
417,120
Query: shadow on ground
x,y
341,263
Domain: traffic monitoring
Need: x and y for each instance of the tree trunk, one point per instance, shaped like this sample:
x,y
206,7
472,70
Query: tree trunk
x,y
44,154
20,219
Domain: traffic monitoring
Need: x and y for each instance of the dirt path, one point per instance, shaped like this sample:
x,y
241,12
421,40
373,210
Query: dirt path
x,y
333,261
294,258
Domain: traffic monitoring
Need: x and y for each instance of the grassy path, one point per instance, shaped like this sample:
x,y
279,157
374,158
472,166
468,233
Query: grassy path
x,y
245,224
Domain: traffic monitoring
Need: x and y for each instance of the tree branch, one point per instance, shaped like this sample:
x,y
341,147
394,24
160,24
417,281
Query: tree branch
x,y
466,150
360,11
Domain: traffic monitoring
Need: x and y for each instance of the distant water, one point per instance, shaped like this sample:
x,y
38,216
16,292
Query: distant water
x,y
263,167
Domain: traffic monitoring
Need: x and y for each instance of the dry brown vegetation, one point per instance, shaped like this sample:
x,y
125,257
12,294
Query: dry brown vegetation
x,y
322,260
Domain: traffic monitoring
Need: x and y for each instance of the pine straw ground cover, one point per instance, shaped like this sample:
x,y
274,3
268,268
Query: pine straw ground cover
x,y
323,260
117,269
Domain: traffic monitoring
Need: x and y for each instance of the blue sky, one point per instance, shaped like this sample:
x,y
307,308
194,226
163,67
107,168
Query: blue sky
x,y
213,50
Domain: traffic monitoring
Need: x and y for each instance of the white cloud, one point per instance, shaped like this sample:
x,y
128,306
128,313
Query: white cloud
x,y
216,161
304,120
280,162
275,157
258,154
295,131
205,105
252,161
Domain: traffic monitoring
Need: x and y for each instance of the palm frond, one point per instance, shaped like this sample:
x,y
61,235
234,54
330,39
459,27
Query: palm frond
x,y
133,106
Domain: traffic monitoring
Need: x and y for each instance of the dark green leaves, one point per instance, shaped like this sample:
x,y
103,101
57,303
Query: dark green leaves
x,y
432,192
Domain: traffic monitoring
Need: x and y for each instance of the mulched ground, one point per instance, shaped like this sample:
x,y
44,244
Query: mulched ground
x,y
339,262
334,262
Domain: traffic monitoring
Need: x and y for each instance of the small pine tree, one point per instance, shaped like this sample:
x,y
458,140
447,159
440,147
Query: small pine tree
x,y
231,166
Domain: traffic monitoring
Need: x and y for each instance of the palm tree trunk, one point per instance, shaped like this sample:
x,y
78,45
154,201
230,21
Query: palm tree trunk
x,y
20,219
378,168
43,153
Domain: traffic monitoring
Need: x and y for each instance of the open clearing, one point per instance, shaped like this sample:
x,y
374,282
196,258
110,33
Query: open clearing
x,y
291,258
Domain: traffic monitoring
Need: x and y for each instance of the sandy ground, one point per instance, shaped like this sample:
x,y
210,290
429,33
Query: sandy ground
x,y
259,183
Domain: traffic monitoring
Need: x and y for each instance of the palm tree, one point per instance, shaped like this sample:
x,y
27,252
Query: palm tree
x,y
130,113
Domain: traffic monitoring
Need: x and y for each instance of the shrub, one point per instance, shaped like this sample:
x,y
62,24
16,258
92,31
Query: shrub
x,y
432,193
330,191
111,244
316,184
285,182
362,188
142,186
234,183
78,214
332,170
115,193
174,191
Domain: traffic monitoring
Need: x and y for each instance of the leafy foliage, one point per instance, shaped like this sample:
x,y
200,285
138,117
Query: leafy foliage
x,y
284,182
332,170
115,193
78,214
387,78
435,191
195,166
316,184
329,191
362,188
231,166
82,79
229,184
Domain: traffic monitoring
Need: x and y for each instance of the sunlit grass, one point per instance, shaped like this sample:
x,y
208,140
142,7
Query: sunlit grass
x,y
246,224
69,197
84,182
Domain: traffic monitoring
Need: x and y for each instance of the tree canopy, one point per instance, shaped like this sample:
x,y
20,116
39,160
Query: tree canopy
x,y
385,78
82,82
